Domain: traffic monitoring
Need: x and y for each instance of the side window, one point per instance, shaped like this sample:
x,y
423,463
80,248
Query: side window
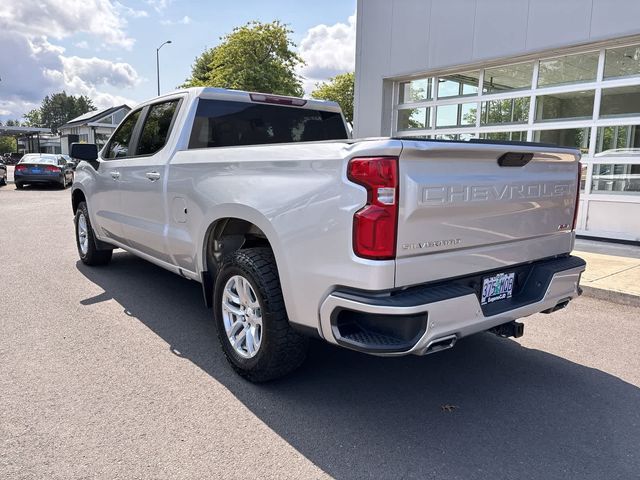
x,y
156,127
119,144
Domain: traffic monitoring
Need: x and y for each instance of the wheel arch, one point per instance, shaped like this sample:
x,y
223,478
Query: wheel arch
x,y
233,229
77,197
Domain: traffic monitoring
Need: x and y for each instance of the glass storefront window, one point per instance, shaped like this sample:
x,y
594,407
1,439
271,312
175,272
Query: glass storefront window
x,y
511,110
615,178
414,118
621,136
520,136
565,137
416,90
583,177
565,106
456,136
568,69
509,77
458,85
620,102
622,62
457,115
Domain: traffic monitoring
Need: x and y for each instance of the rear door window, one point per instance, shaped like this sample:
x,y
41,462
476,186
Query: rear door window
x,y
120,142
157,125
221,123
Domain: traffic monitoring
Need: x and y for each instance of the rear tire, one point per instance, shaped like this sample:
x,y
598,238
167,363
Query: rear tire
x,y
280,349
4,180
85,240
19,186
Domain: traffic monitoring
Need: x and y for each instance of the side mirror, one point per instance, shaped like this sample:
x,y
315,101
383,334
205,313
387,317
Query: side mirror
x,y
85,151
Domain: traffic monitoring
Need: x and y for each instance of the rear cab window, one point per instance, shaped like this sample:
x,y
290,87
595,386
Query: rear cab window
x,y
37,158
223,123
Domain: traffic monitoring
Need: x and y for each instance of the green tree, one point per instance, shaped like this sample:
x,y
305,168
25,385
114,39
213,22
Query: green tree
x,y
258,57
339,89
7,145
32,118
58,109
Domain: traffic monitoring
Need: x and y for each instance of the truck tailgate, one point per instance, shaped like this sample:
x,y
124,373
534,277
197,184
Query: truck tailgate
x,y
463,209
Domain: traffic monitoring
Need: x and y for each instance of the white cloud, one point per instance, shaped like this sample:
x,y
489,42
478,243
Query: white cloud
x,y
186,20
44,69
36,67
97,71
328,51
130,12
158,5
61,18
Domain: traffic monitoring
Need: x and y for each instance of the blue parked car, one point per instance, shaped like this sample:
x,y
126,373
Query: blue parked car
x,y
43,168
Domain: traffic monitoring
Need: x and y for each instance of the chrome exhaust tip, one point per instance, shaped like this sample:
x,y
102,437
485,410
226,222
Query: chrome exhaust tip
x,y
439,344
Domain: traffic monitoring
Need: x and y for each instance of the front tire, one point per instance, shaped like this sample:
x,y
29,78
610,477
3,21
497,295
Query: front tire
x,y
85,240
252,323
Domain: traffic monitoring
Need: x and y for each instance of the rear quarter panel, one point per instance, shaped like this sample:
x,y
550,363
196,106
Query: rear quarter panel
x,y
298,195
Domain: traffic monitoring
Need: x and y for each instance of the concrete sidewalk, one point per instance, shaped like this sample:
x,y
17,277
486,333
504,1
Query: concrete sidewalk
x,y
611,277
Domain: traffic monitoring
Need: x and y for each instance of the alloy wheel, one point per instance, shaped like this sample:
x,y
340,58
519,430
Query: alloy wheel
x,y
242,316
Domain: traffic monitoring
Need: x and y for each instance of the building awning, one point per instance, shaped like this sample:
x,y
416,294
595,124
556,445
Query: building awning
x,y
22,131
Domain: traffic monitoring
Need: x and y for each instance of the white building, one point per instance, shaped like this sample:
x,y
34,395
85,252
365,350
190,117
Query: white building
x,y
92,127
564,72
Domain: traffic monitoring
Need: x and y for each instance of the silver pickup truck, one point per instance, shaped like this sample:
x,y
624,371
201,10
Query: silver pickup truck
x,y
387,246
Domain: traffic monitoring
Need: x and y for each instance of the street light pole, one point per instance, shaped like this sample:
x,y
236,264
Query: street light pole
x,y
158,63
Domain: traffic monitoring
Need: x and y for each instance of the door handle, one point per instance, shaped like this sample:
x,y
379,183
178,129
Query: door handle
x,y
153,176
115,175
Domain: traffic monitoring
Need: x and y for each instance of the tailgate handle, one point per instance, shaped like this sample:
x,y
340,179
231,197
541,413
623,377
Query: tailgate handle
x,y
514,159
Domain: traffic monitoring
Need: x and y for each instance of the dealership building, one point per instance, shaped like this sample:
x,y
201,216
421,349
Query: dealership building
x,y
565,72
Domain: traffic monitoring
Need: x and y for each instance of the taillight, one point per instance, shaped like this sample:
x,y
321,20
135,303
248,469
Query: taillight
x,y
20,168
575,210
52,169
375,225
277,100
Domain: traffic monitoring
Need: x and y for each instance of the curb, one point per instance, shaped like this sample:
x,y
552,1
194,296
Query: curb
x,y
611,296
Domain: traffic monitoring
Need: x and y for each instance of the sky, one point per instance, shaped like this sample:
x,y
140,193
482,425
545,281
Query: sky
x,y
106,49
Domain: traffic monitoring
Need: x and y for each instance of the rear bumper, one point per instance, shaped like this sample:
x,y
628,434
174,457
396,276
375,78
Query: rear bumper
x,y
414,320
28,178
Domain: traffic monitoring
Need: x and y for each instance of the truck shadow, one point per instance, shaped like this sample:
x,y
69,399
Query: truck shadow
x,y
489,408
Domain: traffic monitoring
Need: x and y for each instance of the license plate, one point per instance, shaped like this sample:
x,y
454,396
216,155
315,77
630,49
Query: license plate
x,y
36,170
498,287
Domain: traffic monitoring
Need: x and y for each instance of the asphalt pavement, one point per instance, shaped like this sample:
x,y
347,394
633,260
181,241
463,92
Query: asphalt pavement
x,y
115,372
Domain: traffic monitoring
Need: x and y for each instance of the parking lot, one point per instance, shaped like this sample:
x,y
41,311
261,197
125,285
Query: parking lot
x,y
115,372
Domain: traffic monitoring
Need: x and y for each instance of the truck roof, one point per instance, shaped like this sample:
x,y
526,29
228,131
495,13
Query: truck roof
x,y
252,97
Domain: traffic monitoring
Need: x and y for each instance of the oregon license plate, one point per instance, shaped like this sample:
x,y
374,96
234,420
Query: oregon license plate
x,y
498,287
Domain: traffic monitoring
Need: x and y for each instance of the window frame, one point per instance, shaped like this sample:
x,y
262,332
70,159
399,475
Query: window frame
x,y
132,142
143,117
137,129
